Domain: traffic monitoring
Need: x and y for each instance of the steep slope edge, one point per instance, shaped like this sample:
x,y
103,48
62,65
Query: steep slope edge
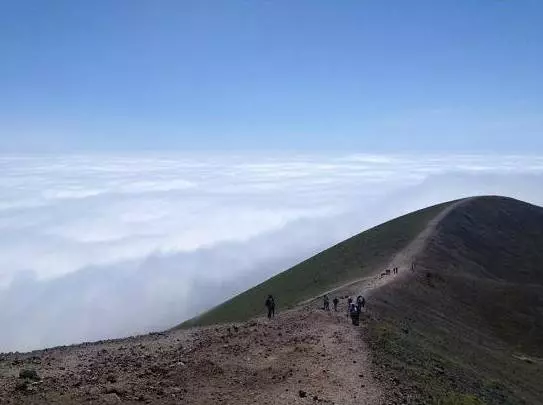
x,y
467,325
352,259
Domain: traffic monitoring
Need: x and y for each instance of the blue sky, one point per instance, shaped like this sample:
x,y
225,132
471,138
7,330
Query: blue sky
x,y
366,76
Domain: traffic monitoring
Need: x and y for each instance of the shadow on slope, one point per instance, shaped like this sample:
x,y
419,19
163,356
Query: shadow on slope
x,y
467,326
352,259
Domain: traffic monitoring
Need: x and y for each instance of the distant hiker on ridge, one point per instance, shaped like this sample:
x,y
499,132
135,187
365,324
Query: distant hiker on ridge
x,y
336,301
270,304
360,303
354,313
326,305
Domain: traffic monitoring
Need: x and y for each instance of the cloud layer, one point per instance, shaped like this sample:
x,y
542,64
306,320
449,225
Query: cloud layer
x,y
98,246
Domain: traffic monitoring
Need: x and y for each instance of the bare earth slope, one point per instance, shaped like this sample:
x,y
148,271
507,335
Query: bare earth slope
x,y
463,328
255,362
468,323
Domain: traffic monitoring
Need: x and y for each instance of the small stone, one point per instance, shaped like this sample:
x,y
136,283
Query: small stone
x,y
112,398
302,394
93,391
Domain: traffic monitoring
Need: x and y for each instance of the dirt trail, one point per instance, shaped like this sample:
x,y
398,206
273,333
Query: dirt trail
x,y
300,357
403,260
303,356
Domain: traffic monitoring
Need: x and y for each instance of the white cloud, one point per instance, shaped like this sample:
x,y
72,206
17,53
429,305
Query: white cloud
x,y
103,246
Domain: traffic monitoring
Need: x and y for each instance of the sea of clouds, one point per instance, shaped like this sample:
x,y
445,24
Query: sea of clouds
x,y
103,246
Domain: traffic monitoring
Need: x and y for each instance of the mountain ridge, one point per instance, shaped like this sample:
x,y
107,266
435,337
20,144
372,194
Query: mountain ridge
x,y
473,310
355,258
463,328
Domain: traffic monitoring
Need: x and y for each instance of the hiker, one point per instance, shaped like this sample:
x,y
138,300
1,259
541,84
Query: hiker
x,y
336,301
355,314
349,302
360,303
270,304
326,306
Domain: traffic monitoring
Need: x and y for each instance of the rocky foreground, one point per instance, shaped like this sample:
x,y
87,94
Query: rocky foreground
x,y
302,356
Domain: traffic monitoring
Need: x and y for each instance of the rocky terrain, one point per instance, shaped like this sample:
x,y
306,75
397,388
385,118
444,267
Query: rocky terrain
x,y
303,356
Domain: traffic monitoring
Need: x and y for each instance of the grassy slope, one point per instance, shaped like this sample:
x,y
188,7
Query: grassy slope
x,y
346,261
454,333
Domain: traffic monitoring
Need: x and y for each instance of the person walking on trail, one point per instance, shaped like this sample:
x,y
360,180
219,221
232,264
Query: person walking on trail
x,y
354,313
270,304
336,301
360,303
326,303
349,302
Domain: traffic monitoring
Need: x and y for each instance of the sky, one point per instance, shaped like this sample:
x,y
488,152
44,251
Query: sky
x,y
376,76
159,157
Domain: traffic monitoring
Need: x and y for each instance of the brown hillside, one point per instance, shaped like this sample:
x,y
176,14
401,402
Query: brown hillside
x,y
469,320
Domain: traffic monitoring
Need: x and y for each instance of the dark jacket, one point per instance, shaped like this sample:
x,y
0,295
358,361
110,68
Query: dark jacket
x,y
270,303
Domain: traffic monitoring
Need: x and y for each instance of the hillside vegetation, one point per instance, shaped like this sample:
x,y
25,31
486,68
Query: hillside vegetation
x,y
352,259
467,327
